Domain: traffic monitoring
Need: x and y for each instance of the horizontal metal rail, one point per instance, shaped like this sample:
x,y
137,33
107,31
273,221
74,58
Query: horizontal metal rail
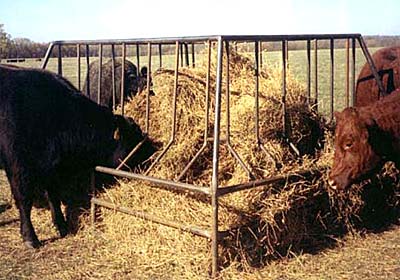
x,y
141,214
275,179
194,39
157,181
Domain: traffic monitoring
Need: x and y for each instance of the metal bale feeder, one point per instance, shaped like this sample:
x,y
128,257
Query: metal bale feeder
x,y
214,190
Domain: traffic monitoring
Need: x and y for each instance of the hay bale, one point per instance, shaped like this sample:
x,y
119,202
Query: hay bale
x,y
263,223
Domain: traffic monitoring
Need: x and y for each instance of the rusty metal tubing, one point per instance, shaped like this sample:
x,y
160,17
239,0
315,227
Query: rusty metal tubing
x,y
228,120
78,65
114,89
215,163
123,78
181,53
260,59
100,73
284,90
260,144
159,54
259,183
59,71
157,181
87,71
353,71
47,55
347,71
309,72
174,103
332,78
201,39
138,59
316,75
141,214
382,91
193,56
206,119
285,125
147,125
186,54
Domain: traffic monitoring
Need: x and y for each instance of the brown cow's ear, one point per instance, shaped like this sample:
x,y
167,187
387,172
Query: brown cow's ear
x,y
337,115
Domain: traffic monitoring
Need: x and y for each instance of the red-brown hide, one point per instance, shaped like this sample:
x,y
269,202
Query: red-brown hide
x,y
365,138
387,62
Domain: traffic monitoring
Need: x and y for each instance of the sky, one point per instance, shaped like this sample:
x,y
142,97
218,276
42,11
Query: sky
x,y
50,20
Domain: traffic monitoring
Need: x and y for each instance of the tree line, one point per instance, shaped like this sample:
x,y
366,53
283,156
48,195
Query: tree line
x,y
26,48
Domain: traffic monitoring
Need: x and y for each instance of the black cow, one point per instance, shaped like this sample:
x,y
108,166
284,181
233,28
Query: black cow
x,y
134,82
51,137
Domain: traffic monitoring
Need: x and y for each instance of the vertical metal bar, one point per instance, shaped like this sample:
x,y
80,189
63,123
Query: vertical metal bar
x,y
193,56
47,55
353,72
287,53
181,53
99,78
138,59
283,98
87,71
78,58
186,54
257,106
332,78
114,84
316,74
256,74
309,72
260,54
215,163
160,54
148,88
59,60
228,118
123,78
347,85
382,91
172,139
207,115
227,95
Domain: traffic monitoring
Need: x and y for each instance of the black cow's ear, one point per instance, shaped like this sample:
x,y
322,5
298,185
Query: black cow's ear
x,y
117,135
143,71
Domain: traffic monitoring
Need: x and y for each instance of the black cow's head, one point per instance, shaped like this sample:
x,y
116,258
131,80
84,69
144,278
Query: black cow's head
x,y
137,82
128,135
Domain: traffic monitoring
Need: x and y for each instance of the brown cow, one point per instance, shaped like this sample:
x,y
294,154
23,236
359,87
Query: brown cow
x,y
387,63
365,138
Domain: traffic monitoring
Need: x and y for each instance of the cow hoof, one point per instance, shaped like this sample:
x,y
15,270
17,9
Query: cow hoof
x,y
32,244
63,230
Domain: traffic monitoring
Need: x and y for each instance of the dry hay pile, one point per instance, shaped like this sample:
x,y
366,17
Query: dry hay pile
x,y
265,223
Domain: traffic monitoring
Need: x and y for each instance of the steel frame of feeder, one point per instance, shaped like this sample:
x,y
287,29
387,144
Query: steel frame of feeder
x,y
214,191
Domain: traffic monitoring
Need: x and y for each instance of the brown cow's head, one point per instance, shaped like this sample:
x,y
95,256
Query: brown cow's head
x,y
354,156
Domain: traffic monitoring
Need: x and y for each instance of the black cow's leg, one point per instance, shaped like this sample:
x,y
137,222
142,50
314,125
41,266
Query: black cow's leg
x,y
57,215
24,201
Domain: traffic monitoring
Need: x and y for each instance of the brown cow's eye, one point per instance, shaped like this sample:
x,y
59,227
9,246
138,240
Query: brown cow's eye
x,y
348,146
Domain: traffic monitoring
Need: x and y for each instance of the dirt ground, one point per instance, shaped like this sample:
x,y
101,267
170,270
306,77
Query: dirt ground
x,y
367,256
